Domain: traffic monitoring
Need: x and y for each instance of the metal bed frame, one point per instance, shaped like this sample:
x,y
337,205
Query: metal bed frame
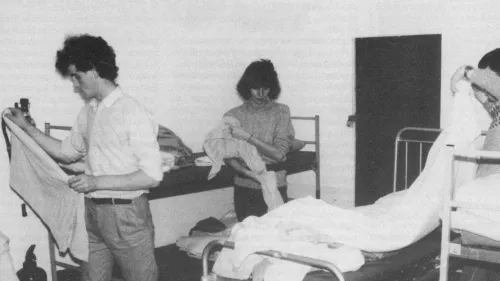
x,y
455,248
400,139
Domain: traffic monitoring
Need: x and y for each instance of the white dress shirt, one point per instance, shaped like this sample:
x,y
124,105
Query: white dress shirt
x,y
119,137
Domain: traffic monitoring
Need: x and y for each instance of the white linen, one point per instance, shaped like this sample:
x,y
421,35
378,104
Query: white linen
x,y
219,144
42,184
387,225
483,222
7,272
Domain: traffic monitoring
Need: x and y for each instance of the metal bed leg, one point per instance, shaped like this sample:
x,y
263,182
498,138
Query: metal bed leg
x,y
446,220
53,267
316,148
275,254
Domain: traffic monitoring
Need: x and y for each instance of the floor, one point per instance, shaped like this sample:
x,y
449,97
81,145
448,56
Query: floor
x,y
177,266
174,266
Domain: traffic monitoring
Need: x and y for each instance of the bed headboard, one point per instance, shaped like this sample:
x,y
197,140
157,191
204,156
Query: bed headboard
x,y
412,144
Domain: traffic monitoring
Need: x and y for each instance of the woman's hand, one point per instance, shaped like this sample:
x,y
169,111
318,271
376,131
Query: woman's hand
x,y
460,74
239,133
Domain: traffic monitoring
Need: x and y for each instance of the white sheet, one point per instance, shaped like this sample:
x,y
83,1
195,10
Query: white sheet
x,y
483,222
7,272
37,178
387,225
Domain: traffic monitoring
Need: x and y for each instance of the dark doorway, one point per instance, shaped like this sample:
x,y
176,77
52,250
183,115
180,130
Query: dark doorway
x,y
398,84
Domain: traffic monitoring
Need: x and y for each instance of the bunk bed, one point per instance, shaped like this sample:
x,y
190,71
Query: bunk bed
x,y
192,179
411,148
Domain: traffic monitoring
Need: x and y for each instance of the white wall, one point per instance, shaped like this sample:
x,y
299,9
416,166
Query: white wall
x,y
182,59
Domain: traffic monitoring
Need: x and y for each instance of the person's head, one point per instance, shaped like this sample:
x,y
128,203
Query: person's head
x,y
491,60
259,81
87,61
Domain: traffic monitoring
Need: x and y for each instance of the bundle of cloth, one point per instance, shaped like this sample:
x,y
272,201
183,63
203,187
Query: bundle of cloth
x,y
312,228
219,144
43,185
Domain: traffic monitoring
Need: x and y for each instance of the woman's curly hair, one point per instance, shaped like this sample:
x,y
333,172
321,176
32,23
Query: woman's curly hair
x,y
87,52
259,74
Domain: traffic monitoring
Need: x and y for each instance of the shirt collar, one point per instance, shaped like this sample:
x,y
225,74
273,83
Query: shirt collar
x,y
109,100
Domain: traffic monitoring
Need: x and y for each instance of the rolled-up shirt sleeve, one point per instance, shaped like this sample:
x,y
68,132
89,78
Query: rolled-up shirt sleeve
x,y
74,146
284,133
143,140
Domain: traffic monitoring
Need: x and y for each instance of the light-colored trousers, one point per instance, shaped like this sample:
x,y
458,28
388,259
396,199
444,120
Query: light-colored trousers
x,y
122,233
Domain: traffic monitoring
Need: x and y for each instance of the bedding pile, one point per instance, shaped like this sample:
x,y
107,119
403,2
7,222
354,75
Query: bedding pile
x,y
219,144
305,226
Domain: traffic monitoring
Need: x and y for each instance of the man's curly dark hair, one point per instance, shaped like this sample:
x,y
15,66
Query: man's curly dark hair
x,y
259,74
87,52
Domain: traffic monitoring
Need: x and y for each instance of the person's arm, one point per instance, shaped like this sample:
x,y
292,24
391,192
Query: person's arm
x,y
283,136
240,169
263,147
135,181
51,145
142,132
487,80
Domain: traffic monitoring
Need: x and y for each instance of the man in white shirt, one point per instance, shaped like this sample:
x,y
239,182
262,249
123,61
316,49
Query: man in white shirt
x,y
119,139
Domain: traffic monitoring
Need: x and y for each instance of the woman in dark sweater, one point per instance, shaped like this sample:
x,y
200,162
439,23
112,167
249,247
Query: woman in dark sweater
x,y
265,124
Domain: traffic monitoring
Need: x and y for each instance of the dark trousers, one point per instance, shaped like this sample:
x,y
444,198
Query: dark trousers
x,y
250,201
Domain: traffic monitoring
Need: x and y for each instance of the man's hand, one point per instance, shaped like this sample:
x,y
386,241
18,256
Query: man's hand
x,y
16,115
83,183
239,133
459,75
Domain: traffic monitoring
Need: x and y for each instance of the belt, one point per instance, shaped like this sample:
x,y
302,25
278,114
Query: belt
x,y
111,201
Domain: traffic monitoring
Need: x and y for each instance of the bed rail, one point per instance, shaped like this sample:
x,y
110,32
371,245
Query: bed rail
x,y
275,254
449,248
402,138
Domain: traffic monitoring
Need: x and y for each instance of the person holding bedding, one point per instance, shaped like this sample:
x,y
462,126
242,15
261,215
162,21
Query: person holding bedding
x,y
485,81
118,136
265,124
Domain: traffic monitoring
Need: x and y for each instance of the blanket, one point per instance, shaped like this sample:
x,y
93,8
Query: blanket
x,y
7,272
43,185
219,144
305,225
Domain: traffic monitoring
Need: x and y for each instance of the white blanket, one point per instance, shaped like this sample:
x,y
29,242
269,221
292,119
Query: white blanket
x,y
303,225
7,272
42,184
483,222
219,144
